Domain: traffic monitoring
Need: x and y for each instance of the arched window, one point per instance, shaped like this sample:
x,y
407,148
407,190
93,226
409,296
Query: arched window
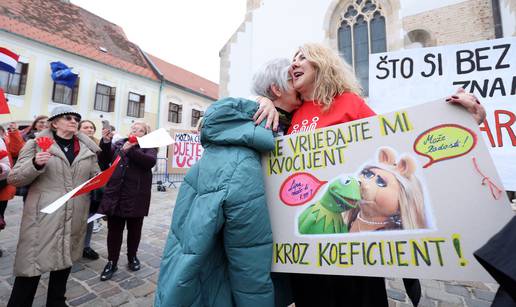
x,y
418,38
361,32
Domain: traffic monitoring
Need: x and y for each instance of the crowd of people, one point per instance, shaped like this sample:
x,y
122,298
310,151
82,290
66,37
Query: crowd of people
x,y
42,174
218,251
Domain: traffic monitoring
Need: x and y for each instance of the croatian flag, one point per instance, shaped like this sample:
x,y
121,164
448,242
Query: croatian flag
x,y
8,60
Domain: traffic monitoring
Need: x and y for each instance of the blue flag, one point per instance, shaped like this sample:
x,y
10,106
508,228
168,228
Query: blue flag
x,y
62,74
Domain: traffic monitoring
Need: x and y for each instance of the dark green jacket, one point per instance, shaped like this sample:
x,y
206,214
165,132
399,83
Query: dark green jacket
x,y
219,247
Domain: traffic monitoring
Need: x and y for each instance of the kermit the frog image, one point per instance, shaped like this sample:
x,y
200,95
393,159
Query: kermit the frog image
x,y
325,216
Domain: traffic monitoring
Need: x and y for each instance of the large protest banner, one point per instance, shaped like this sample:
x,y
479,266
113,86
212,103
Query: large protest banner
x,y
485,68
423,169
185,151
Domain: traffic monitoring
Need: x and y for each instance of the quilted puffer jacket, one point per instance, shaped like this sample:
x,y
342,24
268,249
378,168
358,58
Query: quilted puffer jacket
x,y
219,248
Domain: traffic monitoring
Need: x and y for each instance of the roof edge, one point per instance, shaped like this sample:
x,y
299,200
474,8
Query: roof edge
x,y
76,54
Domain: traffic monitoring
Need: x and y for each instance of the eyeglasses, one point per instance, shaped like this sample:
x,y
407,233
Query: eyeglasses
x,y
69,117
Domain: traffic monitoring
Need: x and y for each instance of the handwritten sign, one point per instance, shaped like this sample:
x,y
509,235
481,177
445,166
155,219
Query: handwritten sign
x,y
484,68
185,151
401,194
299,188
445,142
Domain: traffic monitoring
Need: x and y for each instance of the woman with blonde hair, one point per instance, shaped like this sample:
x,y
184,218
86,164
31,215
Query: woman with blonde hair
x,y
331,96
126,198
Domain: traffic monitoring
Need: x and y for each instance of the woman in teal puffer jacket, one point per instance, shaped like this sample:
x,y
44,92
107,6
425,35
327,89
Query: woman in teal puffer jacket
x,y
219,248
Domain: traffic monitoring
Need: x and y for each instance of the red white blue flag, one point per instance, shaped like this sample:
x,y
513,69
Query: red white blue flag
x,y
8,60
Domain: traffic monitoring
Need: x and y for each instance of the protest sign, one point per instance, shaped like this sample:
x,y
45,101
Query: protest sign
x,y
485,68
185,151
406,194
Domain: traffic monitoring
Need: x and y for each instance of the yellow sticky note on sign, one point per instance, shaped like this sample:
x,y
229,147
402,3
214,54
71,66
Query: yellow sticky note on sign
x,y
445,142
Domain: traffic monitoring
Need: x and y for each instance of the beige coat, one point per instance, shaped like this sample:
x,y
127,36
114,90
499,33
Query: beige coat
x,y
50,242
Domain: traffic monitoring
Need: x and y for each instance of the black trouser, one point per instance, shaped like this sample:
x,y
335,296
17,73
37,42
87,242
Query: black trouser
x,y
312,290
24,290
115,236
3,205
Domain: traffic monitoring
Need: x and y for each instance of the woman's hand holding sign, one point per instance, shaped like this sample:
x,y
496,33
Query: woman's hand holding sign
x,y
470,103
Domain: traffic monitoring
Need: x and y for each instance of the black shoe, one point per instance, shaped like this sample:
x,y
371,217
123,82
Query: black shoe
x,y
1,253
133,263
89,253
109,270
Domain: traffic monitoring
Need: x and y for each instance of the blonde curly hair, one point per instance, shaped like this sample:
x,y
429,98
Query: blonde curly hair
x,y
333,75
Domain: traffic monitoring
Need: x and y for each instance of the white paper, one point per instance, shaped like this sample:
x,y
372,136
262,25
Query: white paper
x,y
95,217
157,138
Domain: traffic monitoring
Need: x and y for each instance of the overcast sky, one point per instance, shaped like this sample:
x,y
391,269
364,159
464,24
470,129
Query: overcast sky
x,y
187,33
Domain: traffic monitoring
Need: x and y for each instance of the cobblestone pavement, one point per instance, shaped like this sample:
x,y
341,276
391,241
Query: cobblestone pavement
x,y
129,288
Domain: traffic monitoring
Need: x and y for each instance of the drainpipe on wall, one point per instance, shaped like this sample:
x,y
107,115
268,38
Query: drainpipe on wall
x,y
497,18
161,85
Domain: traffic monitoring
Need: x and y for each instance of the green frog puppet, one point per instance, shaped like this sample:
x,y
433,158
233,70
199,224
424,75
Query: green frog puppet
x,y
325,216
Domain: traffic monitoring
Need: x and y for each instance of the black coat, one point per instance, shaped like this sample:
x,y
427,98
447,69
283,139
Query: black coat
x,y
128,192
497,257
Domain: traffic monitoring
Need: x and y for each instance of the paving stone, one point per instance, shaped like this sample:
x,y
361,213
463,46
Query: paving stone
x,y
426,302
84,274
484,294
77,267
119,299
75,292
396,295
98,302
154,262
459,290
471,302
96,266
471,284
492,287
40,301
429,283
131,283
154,278
442,296
143,290
144,272
83,299
120,275
110,292
102,286
396,284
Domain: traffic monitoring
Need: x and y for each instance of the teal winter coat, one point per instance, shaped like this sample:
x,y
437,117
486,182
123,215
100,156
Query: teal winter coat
x,y
219,248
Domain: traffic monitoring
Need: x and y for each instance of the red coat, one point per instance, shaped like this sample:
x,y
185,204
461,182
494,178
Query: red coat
x,y
128,192
14,143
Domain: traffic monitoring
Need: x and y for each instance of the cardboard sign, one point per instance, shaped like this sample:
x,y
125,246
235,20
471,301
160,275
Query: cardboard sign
x,y
406,194
185,151
486,69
